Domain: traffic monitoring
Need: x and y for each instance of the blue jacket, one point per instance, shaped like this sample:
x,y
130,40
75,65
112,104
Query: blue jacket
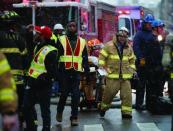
x,y
153,53
141,39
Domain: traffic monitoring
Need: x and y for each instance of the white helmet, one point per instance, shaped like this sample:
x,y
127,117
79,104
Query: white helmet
x,y
58,27
124,29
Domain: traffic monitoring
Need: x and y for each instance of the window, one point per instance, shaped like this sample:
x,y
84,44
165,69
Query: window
x,y
83,20
48,15
91,19
125,22
133,27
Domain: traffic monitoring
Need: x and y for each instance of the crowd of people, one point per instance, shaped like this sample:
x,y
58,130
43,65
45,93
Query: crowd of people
x,y
38,57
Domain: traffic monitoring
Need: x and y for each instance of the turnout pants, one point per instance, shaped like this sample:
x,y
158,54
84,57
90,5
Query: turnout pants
x,y
88,87
112,88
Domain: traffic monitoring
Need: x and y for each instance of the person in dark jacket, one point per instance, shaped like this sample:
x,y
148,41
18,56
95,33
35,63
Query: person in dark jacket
x,y
14,47
154,70
141,40
74,60
42,70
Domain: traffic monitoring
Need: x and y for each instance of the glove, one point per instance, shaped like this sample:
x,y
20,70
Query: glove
x,y
142,62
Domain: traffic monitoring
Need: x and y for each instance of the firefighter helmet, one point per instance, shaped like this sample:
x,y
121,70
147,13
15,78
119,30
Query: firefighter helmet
x,y
124,29
121,33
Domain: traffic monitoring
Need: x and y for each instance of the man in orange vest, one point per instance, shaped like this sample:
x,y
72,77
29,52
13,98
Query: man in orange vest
x,y
75,59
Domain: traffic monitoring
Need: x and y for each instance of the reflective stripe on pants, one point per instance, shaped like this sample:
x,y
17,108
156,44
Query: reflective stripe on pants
x,y
112,88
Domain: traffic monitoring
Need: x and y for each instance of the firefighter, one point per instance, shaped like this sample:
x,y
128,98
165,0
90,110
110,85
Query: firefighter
x,y
14,47
141,39
75,58
41,72
94,47
118,59
8,96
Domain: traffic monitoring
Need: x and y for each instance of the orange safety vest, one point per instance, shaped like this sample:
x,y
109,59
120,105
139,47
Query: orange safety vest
x,y
72,59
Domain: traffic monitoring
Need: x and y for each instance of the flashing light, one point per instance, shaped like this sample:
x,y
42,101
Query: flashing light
x,y
120,12
123,12
127,12
142,13
25,1
160,38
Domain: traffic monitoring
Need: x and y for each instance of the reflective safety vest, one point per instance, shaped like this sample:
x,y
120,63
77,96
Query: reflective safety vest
x,y
37,66
54,37
72,59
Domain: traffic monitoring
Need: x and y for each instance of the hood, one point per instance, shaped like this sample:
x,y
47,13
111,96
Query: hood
x,y
115,41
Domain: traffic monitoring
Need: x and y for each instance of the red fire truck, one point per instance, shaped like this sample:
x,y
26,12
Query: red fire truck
x,y
95,19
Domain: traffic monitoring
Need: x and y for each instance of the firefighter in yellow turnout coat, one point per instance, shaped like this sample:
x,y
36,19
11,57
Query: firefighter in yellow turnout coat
x,y
8,96
118,59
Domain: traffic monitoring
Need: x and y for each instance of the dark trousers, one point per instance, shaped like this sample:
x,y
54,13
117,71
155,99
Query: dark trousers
x,y
20,93
141,86
172,121
154,90
37,92
170,89
70,84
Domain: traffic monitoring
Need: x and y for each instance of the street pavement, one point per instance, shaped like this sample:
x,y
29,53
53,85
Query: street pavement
x,y
91,121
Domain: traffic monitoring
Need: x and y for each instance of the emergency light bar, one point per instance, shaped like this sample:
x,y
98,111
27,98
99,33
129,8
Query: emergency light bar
x,y
120,12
